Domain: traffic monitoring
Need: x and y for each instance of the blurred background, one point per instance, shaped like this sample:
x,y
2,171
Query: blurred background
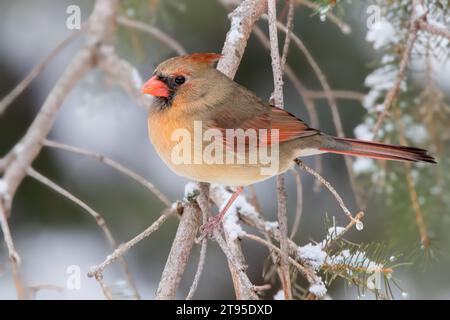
x,y
52,233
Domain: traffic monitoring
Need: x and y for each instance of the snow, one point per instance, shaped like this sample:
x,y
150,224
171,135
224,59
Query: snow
x,y
334,232
363,132
231,224
235,35
381,34
279,295
417,133
270,225
190,189
364,165
318,289
357,259
231,219
312,254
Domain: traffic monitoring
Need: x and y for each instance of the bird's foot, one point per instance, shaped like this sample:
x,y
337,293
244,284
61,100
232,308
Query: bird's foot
x,y
207,230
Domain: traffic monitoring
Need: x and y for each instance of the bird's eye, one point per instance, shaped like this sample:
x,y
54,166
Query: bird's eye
x,y
180,80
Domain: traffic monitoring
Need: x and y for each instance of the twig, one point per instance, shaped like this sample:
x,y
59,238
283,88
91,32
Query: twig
x,y
246,289
299,207
278,101
333,191
179,253
106,290
97,216
155,32
308,273
242,20
345,28
17,91
123,248
358,217
301,90
287,39
113,164
419,218
203,202
14,257
332,103
392,93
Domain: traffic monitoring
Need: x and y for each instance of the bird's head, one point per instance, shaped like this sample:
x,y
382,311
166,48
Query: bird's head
x,y
182,80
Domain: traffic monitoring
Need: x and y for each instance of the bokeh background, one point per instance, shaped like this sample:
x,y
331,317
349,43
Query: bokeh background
x,y
52,233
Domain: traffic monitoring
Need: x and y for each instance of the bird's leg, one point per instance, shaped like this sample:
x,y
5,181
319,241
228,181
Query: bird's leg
x,y
208,228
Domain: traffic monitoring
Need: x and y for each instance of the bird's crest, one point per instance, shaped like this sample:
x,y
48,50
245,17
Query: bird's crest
x,y
208,58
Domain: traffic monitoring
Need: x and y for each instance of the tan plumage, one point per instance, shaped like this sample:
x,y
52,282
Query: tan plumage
x,y
209,96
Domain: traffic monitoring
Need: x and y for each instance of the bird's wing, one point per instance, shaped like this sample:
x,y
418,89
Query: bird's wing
x,y
266,120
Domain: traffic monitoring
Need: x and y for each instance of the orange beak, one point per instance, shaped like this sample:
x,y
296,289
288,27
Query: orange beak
x,y
155,87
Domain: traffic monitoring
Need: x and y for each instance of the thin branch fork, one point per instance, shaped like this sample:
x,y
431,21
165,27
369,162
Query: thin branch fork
x,y
98,219
113,164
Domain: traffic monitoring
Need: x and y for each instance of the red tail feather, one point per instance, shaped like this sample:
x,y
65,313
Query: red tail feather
x,y
377,150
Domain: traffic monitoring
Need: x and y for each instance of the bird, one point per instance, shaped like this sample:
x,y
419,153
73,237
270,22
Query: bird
x,y
193,98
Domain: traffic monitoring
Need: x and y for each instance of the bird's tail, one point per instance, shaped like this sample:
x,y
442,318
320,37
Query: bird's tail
x,y
355,147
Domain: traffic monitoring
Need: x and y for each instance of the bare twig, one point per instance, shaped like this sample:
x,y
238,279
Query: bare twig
x,y
123,248
301,90
179,253
105,288
338,198
299,207
332,103
419,218
287,40
358,217
345,28
17,91
203,202
153,31
246,288
14,257
278,101
115,165
97,216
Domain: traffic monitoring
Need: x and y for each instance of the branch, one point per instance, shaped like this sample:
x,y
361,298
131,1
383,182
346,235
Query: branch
x,y
179,253
14,257
98,270
242,20
299,207
278,102
332,103
113,164
331,189
97,216
153,31
17,91
345,28
236,259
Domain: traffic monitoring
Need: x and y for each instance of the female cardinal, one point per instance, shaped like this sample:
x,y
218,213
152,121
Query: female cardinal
x,y
191,95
